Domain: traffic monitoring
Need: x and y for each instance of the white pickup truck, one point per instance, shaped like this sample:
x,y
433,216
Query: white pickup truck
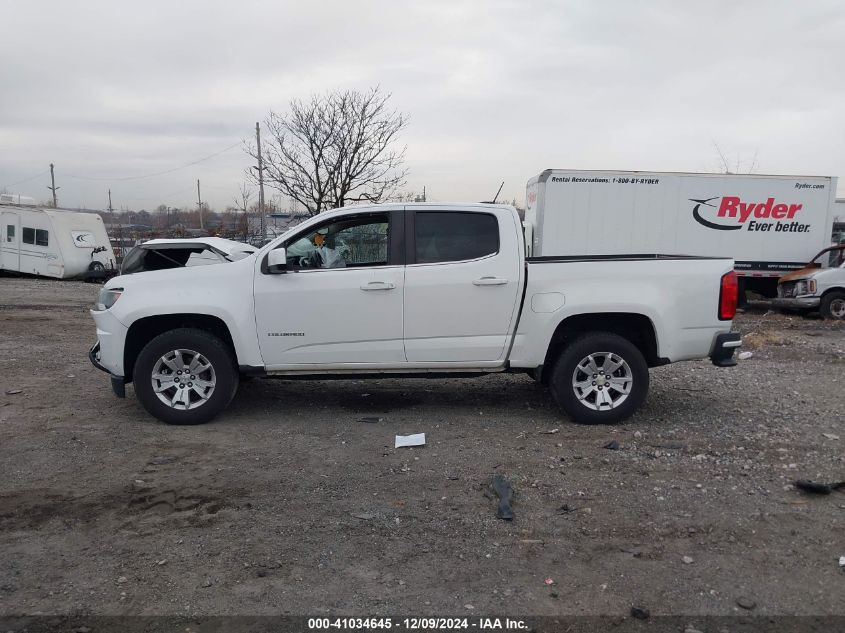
x,y
412,289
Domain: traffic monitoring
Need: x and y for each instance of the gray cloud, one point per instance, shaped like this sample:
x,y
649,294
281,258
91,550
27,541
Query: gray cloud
x,y
495,90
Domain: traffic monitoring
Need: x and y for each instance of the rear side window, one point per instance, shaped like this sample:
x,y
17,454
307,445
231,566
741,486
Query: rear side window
x,y
452,236
42,238
28,236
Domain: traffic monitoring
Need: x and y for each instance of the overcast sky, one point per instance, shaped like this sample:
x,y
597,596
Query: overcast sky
x,y
494,90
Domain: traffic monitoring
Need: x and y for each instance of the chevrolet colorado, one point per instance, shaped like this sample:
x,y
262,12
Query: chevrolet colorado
x,y
412,290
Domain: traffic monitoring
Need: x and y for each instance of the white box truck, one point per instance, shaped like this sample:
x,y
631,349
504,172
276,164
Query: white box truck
x,y
770,225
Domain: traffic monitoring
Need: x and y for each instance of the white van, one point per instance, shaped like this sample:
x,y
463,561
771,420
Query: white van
x,y
53,243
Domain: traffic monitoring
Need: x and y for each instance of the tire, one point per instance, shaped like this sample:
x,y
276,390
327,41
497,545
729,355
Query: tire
x,y
217,378
833,305
630,379
96,267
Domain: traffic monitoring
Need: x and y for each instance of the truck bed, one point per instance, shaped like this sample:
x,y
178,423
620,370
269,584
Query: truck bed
x,y
678,294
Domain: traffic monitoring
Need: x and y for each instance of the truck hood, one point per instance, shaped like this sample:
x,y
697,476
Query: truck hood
x,y
803,273
167,254
178,277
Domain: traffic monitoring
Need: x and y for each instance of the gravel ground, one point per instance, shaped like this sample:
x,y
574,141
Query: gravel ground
x,y
288,503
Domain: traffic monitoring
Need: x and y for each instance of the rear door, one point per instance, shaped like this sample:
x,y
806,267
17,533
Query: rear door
x,y
461,284
10,248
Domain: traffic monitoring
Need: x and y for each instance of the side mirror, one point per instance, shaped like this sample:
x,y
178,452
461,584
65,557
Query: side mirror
x,y
277,261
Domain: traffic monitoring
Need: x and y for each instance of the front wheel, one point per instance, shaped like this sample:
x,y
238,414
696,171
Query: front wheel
x,y
600,378
833,305
185,376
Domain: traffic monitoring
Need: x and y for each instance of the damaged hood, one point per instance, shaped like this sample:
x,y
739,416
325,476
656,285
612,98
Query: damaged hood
x,y
164,254
804,273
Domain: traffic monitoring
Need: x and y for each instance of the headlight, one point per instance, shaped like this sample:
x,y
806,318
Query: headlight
x,y
107,298
805,287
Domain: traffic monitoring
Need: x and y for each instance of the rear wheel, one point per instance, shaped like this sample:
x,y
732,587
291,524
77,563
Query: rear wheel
x,y
833,305
600,378
185,376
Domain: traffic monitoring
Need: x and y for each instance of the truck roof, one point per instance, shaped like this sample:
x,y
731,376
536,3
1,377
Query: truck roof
x,y
410,206
544,175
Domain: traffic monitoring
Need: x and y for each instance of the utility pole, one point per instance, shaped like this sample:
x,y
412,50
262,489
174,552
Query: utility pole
x,y
119,231
260,182
54,187
111,219
199,202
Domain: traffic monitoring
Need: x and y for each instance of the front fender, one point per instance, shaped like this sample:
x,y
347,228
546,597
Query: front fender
x,y
223,291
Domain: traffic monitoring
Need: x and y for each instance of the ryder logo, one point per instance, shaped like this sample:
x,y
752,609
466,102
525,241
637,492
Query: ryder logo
x,y
732,214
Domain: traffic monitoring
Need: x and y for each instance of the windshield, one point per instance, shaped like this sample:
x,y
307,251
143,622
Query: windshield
x,y
161,257
833,257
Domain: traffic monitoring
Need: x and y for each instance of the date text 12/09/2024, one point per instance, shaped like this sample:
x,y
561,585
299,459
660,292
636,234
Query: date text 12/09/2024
x,y
417,624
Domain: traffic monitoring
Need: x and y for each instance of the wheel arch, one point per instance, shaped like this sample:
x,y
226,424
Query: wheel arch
x,y
146,329
635,327
833,289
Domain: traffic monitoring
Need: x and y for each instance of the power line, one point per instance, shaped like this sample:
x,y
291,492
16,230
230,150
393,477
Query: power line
x,y
27,179
158,173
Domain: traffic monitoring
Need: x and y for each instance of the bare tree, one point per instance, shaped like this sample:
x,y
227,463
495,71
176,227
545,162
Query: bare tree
x,y
334,149
242,199
405,196
738,167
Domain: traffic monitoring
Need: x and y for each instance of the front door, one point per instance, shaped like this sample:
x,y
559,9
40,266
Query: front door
x,y
340,303
461,285
10,249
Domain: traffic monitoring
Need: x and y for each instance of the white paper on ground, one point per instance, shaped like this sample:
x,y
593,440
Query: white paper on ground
x,y
417,439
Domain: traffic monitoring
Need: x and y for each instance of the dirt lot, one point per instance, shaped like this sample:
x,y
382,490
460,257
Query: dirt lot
x,y
289,503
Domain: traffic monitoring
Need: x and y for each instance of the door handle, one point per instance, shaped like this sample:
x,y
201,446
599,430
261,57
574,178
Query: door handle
x,y
378,285
490,281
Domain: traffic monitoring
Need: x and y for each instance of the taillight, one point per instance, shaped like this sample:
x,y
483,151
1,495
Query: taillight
x,y
728,296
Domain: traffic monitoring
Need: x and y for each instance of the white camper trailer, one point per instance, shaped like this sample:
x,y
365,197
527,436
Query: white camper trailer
x,y
53,243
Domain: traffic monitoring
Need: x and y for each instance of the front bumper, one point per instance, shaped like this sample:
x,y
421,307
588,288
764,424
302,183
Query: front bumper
x,y
118,383
111,334
797,303
723,349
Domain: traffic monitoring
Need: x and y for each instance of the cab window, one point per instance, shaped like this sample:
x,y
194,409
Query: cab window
x,y
836,257
350,242
452,236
